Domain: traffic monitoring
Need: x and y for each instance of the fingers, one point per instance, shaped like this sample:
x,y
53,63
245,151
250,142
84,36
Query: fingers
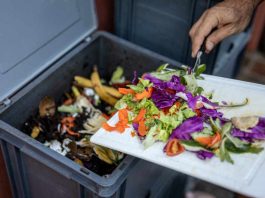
x,y
196,26
218,35
202,29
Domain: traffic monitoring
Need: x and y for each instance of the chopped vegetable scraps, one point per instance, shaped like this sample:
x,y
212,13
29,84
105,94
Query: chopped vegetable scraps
x,y
140,116
167,105
121,125
145,94
126,91
173,147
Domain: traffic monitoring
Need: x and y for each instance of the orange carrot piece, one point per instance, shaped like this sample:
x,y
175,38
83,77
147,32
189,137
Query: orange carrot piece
x,y
142,128
145,94
70,132
69,125
140,116
121,125
209,141
107,127
123,116
204,140
173,148
120,128
69,101
178,104
216,138
126,91
133,134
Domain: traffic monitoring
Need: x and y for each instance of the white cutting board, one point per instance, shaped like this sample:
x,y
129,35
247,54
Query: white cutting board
x,y
246,175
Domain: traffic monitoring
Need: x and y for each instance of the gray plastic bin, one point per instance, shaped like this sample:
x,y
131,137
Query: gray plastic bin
x,y
37,171
163,26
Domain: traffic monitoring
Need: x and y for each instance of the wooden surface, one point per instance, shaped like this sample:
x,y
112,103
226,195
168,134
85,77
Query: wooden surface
x,y
105,12
258,28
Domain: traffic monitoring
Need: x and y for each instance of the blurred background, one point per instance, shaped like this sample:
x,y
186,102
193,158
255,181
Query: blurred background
x,y
163,28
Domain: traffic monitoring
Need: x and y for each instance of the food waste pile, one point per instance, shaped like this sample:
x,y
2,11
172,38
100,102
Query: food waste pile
x,y
169,106
66,126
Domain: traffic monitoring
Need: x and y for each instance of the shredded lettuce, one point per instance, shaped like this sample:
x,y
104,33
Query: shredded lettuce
x,y
171,120
188,113
117,76
150,138
126,100
163,135
141,85
191,83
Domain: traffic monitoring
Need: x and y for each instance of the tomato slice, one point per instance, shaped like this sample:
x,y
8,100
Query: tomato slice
x,y
174,147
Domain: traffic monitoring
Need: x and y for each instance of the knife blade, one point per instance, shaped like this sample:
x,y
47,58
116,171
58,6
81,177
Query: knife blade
x,y
198,56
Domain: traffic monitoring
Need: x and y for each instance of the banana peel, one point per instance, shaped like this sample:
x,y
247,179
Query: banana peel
x,y
112,91
111,154
107,155
100,90
102,154
75,91
84,82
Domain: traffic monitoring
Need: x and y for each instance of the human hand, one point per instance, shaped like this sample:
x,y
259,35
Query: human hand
x,y
227,18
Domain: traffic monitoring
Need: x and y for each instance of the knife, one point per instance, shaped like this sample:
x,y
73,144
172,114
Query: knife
x,y
201,51
198,56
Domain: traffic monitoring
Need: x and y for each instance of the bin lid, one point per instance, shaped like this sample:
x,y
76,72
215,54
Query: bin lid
x,y
35,33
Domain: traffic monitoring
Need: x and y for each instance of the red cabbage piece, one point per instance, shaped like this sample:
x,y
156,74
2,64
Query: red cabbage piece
x,y
255,133
203,155
173,84
135,78
135,126
191,125
154,80
211,113
206,100
164,92
163,99
192,100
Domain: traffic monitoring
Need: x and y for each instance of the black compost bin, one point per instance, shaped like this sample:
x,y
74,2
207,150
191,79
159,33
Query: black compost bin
x,y
37,171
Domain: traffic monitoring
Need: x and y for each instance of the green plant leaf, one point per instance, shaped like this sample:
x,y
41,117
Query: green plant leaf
x,y
200,69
